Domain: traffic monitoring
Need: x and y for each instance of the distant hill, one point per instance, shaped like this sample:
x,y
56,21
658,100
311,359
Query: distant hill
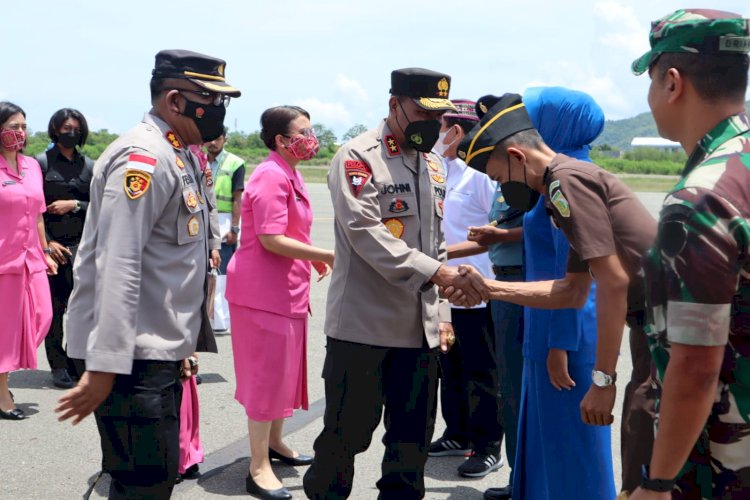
x,y
619,133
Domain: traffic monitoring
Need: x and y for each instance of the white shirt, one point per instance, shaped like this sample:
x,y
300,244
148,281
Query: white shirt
x,y
468,200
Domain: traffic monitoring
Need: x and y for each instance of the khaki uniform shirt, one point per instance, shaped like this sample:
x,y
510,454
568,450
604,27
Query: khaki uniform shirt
x,y
600,216
388,209
140,273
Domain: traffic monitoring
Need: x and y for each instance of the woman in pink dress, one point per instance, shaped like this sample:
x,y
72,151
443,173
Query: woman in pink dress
x,y
268,290
25,303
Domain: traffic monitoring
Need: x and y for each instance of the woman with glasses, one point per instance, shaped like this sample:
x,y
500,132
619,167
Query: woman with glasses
x,y
268,289
25,306
67,175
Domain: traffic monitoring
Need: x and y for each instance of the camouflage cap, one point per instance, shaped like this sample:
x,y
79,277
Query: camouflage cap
x,y
695,31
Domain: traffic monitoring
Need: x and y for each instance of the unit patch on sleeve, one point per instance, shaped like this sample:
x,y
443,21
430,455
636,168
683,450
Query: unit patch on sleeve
x,y
141,162
561,203
136,183
358,173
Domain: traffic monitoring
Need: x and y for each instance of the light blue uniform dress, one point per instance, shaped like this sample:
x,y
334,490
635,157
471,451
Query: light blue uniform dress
x,y
558,456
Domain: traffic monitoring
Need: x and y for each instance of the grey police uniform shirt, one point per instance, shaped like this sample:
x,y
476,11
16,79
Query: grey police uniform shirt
x,y
140,274
389,243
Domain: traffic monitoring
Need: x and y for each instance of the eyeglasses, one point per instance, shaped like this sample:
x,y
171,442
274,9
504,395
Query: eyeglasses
x,y
307,132
216,99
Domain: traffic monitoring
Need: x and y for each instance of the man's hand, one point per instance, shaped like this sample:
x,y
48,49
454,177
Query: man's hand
x,y
641,494
230,238
91,391
463,286
447,336
215,259
557,368
189,366
61,207
596,407
59,253
486,235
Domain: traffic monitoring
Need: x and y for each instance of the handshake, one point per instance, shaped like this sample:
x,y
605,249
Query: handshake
x,y
463,285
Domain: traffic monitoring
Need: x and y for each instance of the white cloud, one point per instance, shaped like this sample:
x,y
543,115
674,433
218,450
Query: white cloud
x,y
624,30
332,114
351,88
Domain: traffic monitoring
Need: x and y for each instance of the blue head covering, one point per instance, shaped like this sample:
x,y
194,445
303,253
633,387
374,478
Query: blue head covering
x,y
568,120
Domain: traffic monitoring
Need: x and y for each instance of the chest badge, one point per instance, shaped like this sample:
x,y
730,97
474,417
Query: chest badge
x,y
191,200
136,183
193,226
395,226
179,162
438,178
398,206
209,177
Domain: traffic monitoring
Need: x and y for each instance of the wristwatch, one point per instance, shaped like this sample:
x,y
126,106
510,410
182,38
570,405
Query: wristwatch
x,y
77,207
235,229
48,251
660,485
601,379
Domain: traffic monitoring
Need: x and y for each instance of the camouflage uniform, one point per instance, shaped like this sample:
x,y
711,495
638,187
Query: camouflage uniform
x,y
698,280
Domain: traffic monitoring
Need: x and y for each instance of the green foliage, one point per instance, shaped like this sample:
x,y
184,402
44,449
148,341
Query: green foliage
x,y
656,154
354,132
625,166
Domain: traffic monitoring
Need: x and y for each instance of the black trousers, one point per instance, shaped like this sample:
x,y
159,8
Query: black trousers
x,y
469,383
61,286
139,426
360,381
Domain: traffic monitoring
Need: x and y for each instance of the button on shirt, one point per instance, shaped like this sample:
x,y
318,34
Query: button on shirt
x,y
505,254
468,201
22,201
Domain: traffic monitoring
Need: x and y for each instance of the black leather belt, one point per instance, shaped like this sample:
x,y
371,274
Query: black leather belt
x,y
513,270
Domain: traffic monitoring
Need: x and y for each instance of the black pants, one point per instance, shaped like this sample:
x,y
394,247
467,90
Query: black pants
x,y
139,426
469,383
360,380
61,286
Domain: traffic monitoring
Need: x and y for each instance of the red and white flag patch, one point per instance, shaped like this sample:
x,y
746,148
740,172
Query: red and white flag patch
x,y
141,162
358,173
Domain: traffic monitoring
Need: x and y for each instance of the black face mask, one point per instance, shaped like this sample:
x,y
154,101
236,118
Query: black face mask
x,y
421,134
208,117
517,194
69,140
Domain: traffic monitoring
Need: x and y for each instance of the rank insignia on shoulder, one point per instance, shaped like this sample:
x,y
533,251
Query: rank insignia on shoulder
x,y
395,226
438,178
398,206
179,162
193,226
173,140
209,176
141,162
136,183
358,173
561,203
391,145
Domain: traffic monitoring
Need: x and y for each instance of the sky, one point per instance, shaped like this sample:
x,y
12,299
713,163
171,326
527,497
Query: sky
x,y
332,57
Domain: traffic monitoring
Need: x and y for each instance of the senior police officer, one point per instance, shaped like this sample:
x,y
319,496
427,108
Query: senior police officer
x,y
137,308
384,317
697,272
608,230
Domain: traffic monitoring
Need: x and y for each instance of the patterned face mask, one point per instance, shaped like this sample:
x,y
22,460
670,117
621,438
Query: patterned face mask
x,y
304,147
13,140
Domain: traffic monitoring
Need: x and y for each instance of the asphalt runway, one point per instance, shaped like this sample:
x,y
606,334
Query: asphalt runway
x,y
41,458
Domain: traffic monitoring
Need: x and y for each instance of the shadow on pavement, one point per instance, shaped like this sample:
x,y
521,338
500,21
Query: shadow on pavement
x,y
230,479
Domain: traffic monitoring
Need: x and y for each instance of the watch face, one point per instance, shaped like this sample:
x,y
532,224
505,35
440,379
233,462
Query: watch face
x,y
600,379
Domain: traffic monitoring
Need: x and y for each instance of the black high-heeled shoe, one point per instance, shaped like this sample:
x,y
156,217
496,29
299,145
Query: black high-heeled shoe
x,y
293,461
278,494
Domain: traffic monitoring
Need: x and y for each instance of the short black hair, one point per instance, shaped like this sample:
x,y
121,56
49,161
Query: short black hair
x,y
56,121
8,109
156,86
529,138
466,125
276,120
715,76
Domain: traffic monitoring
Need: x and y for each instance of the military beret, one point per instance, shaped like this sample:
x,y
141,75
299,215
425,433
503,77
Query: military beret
x,y
204,71
464,110
429,89
506,116
695,31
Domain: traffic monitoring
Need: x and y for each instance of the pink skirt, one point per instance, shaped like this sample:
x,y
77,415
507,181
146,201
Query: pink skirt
x,y
270,362
26,312
191,450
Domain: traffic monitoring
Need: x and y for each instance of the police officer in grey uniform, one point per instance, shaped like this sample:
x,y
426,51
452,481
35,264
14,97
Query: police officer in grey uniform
x,y
137,308
384,318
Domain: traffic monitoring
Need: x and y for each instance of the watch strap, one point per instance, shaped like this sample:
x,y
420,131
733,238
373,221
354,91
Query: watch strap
x,y
652,484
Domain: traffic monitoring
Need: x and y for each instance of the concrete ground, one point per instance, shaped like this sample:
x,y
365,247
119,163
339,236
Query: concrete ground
x,y
43,459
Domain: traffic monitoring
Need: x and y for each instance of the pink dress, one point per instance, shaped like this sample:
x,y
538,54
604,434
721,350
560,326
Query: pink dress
x,y
269,295
25,302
